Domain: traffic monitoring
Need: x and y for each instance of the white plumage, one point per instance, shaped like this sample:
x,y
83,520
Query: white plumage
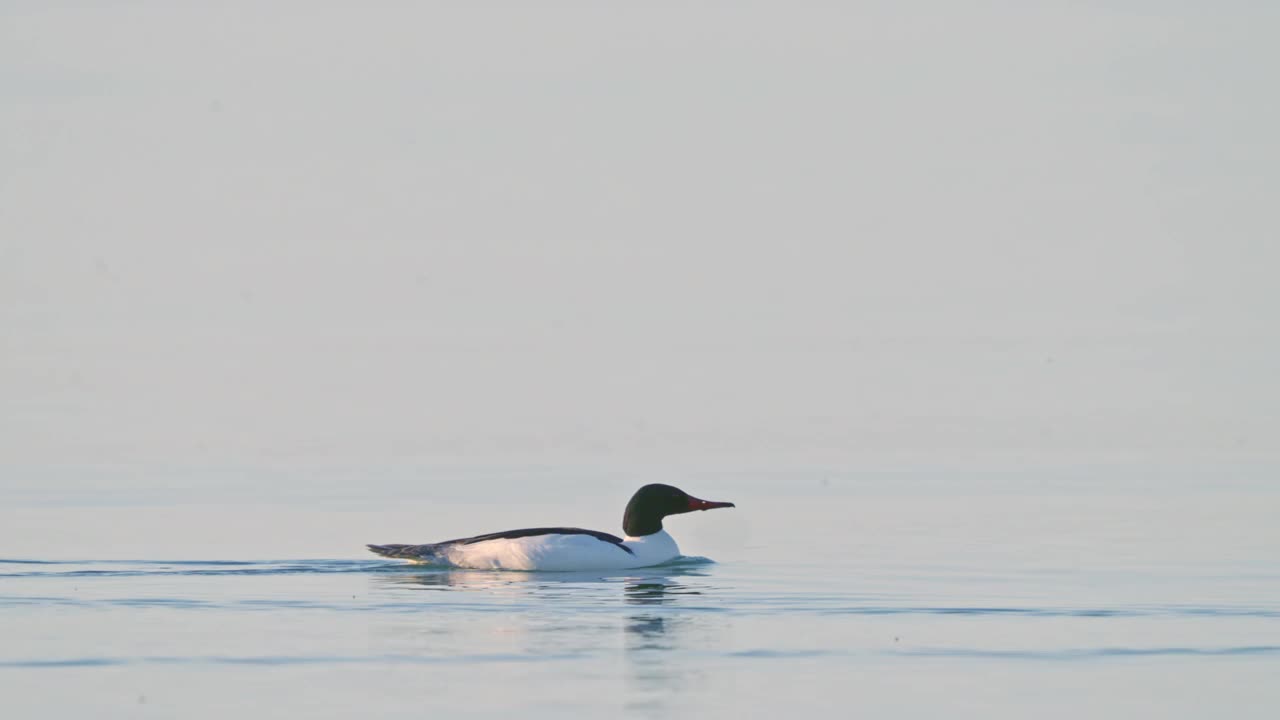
x,y
559,552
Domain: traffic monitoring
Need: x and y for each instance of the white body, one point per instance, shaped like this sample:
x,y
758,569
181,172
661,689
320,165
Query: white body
x,y
560,552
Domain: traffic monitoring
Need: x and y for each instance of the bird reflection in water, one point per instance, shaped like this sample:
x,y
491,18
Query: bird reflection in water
x,y
640,590
646,630
655,591
652,638
451,579
667,614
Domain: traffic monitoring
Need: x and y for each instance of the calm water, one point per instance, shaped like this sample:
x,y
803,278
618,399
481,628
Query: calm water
x,y
1115,593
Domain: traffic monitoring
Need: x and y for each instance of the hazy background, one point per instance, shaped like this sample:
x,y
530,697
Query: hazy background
x,y
341,235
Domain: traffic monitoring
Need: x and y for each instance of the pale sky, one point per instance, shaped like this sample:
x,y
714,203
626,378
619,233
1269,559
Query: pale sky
x,y
238,233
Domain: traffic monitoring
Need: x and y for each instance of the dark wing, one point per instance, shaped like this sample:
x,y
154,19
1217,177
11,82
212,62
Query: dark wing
x,y
528,532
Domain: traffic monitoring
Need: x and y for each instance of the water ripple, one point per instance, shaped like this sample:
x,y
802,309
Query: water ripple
x,y
142,568
1069,654
285,660
1087,653
1041,612
684,583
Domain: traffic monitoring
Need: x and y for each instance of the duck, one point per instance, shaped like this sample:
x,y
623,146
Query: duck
x,y
646,542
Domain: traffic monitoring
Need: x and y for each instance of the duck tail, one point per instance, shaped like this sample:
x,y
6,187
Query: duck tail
x,y
420,553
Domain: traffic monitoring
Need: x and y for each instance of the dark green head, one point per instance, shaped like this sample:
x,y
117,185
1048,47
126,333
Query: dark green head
x,y
651,503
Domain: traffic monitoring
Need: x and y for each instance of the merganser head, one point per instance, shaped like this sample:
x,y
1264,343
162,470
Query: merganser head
x,y
651,503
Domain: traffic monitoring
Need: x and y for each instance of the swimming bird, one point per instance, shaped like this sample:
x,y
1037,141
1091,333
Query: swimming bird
x,y
568,548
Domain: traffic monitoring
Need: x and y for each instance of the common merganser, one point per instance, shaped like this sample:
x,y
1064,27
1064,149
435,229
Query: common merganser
x,y
567,548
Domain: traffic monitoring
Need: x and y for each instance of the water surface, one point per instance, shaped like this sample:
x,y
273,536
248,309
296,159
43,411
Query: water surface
x,y
843,593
